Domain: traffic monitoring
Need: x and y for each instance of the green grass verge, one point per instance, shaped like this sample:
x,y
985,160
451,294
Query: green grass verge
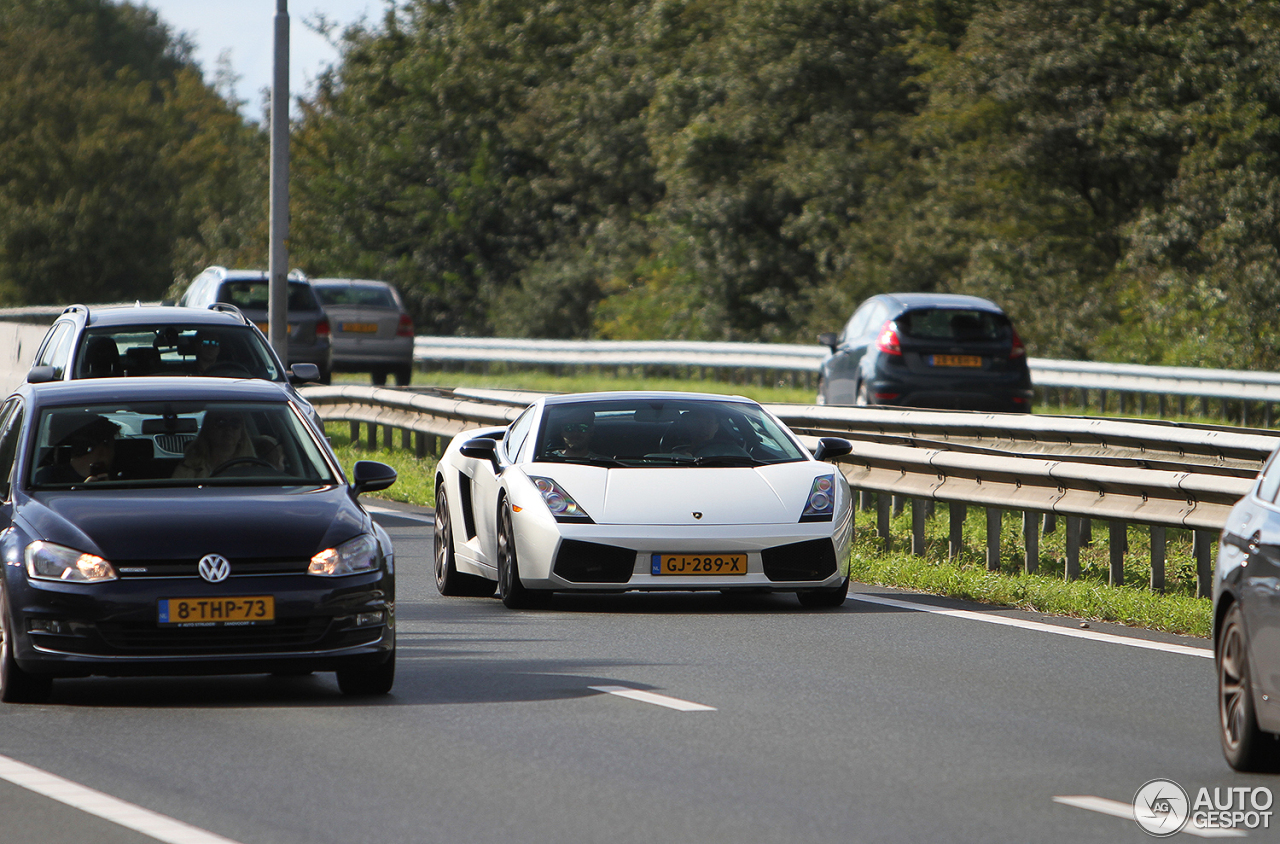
x,y
1090,597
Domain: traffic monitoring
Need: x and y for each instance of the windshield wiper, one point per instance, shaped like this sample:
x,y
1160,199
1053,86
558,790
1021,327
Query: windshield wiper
x,y
729,460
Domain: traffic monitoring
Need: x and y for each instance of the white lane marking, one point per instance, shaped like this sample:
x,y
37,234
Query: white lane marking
x,y
1117,809
651,697
403,514
1036,625
159,827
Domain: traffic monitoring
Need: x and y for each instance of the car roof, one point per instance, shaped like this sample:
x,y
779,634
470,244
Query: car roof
x,y
644,395
349,282
161,315
910,301
191,388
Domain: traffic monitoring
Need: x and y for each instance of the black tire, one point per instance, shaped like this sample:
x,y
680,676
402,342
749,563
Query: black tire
x,y
379,375
828,598
449,581
1245,747
863,398
513,593
16,685
821,398
404,375
326,376
368,681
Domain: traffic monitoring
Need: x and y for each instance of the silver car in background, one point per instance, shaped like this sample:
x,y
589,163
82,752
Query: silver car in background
x,y
372,331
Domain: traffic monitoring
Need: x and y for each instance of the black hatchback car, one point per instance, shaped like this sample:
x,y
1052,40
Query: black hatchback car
x,y
927,350
184,526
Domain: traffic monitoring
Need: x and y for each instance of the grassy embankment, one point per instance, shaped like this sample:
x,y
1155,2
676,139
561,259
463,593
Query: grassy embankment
x,y
1090,597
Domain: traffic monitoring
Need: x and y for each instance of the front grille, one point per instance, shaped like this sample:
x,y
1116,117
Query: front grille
x,y
590,562
240,567
814,559
144,638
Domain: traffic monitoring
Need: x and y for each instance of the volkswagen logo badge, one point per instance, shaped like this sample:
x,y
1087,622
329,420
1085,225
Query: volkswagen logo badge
x,y
214,568
697,514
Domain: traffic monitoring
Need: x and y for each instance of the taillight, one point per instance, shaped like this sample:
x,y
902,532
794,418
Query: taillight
x,y
322,327
405,328
888,341
1018,349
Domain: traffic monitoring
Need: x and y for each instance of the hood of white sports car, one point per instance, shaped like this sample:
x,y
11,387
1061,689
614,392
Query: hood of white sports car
x,y
691,496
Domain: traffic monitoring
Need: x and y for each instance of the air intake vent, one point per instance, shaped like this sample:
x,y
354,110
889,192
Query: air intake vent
x,y
812,560
590,562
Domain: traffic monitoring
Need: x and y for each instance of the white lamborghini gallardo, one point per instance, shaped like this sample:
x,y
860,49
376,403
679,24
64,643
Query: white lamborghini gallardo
x,y
641,491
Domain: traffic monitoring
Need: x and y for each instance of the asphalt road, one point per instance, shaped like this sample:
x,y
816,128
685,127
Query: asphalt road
x,y
871,723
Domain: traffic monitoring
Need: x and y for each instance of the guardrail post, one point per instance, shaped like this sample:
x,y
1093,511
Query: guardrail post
x,y
420,444
994,520
918,506
406,438
1119,537
1031,541
1072,563
1203,543
956,513
866,499
899,504
355,433
1160,405
882,518
388,436
372,443
1157,557
1086,532
1266,414
1050,522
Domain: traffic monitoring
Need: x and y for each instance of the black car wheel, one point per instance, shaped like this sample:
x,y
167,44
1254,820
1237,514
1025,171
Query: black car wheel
x,y
1246,747
368,681
513,593
404,375
450,581
16,685
379,375
863,398
824,598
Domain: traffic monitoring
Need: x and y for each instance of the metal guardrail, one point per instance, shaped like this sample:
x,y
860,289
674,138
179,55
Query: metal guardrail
x,y
1077,473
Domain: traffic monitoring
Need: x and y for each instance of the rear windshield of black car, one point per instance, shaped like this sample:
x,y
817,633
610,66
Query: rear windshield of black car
x,y
960,326
253,295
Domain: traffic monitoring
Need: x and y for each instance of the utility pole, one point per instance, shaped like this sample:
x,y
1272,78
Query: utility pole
x,y
278,263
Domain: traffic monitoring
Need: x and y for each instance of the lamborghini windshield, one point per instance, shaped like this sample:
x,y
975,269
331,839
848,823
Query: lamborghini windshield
x,y
685,432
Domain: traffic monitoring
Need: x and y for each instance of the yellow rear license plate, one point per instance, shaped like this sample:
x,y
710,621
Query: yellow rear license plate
x,y
957,360
265,328
240,611
699,564
360,327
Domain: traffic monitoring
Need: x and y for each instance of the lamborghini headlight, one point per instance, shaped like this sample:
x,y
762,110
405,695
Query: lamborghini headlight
x,y
821,505
559,502
46,561
355,556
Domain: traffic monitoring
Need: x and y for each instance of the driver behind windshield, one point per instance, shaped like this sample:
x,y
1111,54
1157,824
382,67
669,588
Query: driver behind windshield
x,y
222,438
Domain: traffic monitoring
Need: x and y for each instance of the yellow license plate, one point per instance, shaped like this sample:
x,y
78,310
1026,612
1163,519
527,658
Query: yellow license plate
x,y
265,328
360,327
957,360
699,564
212,612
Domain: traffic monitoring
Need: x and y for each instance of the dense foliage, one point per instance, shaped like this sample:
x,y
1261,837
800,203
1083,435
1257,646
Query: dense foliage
x,y
119,167
750,169
711,169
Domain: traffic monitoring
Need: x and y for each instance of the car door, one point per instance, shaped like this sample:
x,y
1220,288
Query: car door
x,y
1259,590
487,484
840,371
10,435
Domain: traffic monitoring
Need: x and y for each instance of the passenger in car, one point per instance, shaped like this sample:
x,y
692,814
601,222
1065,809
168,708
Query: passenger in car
x,y
575,432
223,438
705,437
87,453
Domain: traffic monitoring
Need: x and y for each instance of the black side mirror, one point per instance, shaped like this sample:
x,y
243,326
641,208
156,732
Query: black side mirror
x,y
829,448
304,372
371,476
829,339
42,374
481,448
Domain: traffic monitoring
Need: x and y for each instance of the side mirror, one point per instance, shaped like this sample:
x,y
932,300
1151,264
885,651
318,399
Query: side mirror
x,y
42,374
829,448
481,448
371,476
829,339
304,372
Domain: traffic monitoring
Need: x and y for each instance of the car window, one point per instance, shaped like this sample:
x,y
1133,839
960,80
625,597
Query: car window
x,y
255,295
858,322
10,436
659,432
518,433
954,325
363,295
1270,481
57,349
229,351
176,443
